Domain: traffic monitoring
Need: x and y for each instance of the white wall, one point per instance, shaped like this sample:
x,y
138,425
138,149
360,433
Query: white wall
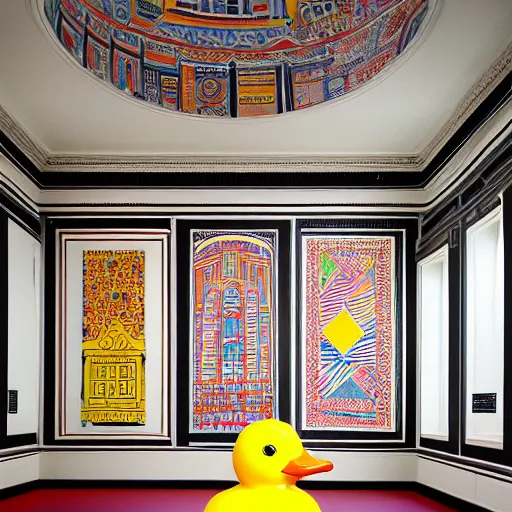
x,y
200,465
18,470
24,332
492,494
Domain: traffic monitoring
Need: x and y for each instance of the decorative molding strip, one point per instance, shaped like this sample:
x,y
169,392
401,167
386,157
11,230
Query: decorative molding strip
x,y
32,147
473,99
229,164
48,162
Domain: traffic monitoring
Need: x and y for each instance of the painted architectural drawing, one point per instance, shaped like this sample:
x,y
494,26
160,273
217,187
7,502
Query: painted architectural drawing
x,y
349,332
233,336
113,345
236,58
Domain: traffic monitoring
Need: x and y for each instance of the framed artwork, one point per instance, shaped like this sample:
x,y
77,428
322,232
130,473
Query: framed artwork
x,y
111,334
350,330
232,326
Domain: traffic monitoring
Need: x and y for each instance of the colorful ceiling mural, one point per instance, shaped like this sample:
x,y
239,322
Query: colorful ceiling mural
x,y
236,58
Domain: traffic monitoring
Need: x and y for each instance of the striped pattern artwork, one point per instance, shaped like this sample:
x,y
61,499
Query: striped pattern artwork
x,y
349,316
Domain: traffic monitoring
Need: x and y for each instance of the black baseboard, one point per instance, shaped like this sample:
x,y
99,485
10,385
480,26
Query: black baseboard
x,y
16,490
423,490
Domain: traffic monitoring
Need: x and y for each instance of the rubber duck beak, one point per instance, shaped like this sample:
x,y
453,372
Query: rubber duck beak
x,y
306,465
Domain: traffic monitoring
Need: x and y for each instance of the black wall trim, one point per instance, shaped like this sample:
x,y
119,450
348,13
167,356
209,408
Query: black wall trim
x,y
50,332
15,193
25,219
492,175
19,159
20,440
392,179
421,489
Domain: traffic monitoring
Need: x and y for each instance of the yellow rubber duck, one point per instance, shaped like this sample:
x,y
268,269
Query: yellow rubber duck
x,y
269,459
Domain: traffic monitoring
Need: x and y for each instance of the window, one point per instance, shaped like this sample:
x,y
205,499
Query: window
x,y
485,332
434,342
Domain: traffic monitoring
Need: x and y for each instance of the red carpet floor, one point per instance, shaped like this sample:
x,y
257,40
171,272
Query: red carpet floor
x,y
157,500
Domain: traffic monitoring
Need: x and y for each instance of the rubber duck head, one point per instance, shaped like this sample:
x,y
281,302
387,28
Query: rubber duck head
x,y
269,452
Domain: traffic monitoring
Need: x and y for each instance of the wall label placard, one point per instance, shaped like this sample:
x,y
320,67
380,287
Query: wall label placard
x,y
484,403
13,401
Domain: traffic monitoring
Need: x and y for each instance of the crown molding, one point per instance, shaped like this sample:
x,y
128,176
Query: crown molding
x,y
473,99
27,143
50,162
196,200
231,164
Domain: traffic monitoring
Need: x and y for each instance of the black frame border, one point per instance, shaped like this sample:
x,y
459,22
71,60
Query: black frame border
x,y
405,233
183,257
50,306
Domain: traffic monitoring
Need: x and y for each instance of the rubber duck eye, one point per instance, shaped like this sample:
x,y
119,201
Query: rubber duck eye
x,y
269,450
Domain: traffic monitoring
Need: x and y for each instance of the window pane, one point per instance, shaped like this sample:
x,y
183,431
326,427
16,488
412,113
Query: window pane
x,y
433,287
234,314
349,332
485,331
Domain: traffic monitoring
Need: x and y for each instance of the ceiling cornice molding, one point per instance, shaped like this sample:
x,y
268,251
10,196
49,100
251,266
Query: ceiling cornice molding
x,y
31,147
473,99
48,162
193,201
232,164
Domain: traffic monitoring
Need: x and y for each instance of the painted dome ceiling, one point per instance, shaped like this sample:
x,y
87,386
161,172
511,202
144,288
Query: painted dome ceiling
x,y
236,58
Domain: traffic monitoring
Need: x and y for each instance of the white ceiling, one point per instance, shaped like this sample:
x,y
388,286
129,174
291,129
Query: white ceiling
x,y
72,113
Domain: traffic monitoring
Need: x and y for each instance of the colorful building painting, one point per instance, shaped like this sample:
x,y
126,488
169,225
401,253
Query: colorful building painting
x,y
113,343
232,58
233,344
349,332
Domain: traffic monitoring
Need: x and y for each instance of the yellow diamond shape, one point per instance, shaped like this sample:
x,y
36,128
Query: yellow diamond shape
x,y
343,331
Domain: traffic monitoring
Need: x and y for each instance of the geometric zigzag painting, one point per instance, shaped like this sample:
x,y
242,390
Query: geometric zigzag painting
x,y
349,340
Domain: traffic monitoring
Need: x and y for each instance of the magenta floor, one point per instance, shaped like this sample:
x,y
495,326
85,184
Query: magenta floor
x,y
157,500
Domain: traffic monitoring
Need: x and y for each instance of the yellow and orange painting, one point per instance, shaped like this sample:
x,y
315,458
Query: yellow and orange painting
x,y
113,342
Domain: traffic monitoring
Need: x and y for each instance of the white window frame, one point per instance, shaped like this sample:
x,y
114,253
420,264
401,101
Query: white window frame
x,y
442,433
